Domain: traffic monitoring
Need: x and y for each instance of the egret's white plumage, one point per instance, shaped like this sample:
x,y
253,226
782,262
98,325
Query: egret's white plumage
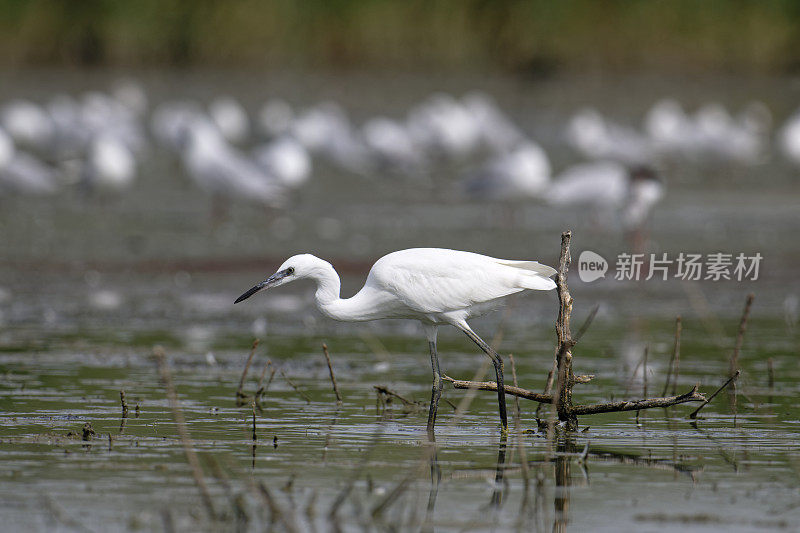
x,y
435,286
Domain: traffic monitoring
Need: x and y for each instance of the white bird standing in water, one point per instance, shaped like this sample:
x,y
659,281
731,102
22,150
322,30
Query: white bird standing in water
x,y
432,285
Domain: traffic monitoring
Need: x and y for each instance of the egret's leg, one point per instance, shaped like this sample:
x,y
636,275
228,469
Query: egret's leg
x,y
498,369
436,391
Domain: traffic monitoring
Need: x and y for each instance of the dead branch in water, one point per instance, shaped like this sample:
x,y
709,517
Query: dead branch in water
x,y
635,405
675,361
240,395
492,386
183,431
384,391
734,365
731,379
333,377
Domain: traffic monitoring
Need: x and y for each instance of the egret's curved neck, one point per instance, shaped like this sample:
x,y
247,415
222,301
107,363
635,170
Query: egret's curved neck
x,y
328,299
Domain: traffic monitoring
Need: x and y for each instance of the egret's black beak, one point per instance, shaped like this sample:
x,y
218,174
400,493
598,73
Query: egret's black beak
x,y
266,284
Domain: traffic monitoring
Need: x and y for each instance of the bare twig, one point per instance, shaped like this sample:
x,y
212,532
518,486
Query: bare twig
x,y
674,362
586,323
734,365
124,404
240,395
333,377
730,380
492,386
563,392
635,405
770,373
255,435
408,403
518,425
295,387
183,431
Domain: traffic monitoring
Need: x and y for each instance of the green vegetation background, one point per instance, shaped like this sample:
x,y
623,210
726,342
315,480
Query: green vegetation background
x,y
508,35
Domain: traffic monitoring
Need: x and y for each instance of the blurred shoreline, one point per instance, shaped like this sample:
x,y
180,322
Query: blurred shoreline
x,y
530,39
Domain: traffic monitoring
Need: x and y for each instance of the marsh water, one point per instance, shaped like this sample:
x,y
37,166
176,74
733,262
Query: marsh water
x,y
89,285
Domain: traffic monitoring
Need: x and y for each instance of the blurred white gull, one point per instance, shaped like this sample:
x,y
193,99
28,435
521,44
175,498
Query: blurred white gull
x,y
27,124
132,95
523,172
723,136
711,132
496,130
608,185
391,145
670,128
221,170
275,118
597,138
170,122
230,118
110,165
326,130
789,138
21,173
70,137
286,160
443,126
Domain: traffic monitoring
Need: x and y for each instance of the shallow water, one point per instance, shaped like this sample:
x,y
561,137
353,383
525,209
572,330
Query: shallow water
x,y
89,285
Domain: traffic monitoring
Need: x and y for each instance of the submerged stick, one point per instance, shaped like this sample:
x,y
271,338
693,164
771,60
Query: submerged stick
x,y
239,394
333,377
730,380
183,431
674,362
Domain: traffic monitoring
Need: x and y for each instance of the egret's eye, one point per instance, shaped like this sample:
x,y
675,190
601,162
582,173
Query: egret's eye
x,y
290,270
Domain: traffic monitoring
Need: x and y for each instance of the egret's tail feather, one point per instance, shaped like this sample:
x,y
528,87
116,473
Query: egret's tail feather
x,y
542,270
537,283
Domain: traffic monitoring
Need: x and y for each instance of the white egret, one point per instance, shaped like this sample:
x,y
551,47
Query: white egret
x,y
432,285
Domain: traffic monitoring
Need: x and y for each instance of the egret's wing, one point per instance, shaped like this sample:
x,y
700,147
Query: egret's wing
x,y
437,281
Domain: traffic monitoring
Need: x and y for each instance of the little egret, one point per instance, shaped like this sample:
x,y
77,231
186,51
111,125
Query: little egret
x,y
432,285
